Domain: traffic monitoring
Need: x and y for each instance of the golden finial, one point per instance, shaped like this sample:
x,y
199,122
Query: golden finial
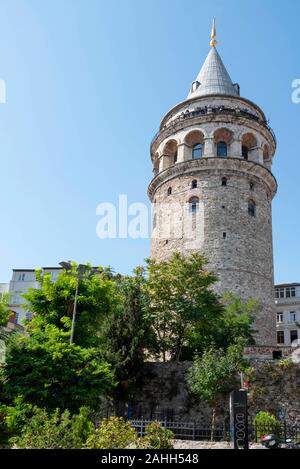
x,y
213,41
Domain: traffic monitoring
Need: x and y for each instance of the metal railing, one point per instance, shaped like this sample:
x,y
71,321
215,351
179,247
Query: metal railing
x,y
211,111
185,430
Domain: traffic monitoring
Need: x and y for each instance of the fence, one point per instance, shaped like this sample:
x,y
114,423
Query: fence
x,y
197,432
185,430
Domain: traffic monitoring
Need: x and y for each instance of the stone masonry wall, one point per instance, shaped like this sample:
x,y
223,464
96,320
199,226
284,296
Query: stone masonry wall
x,y
238,246
274,387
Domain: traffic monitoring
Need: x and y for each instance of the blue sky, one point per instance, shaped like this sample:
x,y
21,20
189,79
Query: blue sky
x,y
88,82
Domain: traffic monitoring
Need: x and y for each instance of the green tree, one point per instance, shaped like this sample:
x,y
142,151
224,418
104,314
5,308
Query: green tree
x,y
214,374
52,303
49,372
58,430
127,335
182,303
4,309
113,433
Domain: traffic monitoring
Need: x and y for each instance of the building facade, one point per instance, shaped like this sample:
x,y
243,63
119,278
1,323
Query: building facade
x,y
287,300
212,188
22,280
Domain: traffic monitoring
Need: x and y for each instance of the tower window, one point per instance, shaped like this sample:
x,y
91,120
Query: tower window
x,y
194,205
224,235
280,337
194,184
222,149
245,152
224,182
252,208
251,186
197,151
170,191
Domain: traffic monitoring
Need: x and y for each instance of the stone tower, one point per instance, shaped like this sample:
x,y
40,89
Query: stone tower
x,y
212,188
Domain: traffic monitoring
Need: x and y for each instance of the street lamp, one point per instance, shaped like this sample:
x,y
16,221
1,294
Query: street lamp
x,y
82,271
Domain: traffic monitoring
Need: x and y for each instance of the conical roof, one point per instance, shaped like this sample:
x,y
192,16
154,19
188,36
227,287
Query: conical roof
x,y
213,78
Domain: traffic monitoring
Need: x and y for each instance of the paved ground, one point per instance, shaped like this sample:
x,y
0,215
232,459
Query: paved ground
x,y
183,444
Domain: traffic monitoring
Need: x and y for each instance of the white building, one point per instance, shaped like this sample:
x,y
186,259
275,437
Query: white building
x,y
287,299
4,287
22,280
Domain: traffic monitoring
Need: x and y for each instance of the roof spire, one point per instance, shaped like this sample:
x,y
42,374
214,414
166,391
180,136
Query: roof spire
x,y
213,41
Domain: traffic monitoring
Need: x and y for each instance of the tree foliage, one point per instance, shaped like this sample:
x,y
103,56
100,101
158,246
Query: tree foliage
x,y
49,372
52,303
4,309
215,372
58,430
127,336
181,301
113,433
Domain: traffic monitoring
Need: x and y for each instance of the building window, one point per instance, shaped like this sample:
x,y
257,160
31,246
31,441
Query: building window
x,y
21,277
294,336
251,186
28,316
170,191
293,316
224,182
222,149
194,184
280,337
290,292
245,152
197,151
194,205
279,318
252,208
175,157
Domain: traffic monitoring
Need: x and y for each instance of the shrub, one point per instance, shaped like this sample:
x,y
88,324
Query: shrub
x,y
265,423
55,431
157,437
113,433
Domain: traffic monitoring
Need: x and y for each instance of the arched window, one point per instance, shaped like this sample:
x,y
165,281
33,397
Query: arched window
x,y
245,152
252,208
222,149
252,186
224,182
197,151
170,191
194,184
194,205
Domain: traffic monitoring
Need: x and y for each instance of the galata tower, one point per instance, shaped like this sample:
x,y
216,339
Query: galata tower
x,y
212,188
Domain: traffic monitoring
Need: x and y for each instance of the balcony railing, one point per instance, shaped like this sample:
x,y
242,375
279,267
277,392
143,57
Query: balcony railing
x,y
210,111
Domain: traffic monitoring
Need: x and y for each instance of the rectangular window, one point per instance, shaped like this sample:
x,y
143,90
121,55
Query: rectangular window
x,y
279,318
22,277
28,316
293,316
294,336
281,293
280,337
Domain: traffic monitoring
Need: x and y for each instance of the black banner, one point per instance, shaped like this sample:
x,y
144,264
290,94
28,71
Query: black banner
x,y
239,419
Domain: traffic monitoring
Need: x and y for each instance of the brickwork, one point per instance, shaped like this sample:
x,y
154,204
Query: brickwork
x,y
237,245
